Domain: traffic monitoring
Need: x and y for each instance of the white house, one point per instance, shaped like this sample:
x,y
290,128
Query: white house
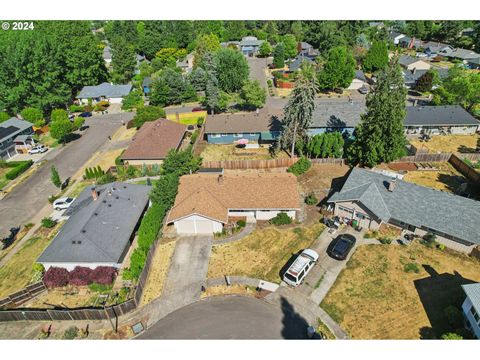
x,y
471,308
207,202
106,91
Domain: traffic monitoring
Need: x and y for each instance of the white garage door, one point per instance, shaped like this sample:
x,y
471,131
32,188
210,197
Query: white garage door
x,y
185,226
204,226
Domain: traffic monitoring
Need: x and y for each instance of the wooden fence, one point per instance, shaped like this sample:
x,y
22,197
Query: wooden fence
x,y
333,161
250,164
422,157
465,169
73,314
468,156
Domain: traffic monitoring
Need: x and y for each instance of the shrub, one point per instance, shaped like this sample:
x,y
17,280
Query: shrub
x,y
106,179
80,276
311,199
241,223
451,336
131,124
150,226
440,247
75,108
137,262
411,267
55,277
370,235
78,122
103,275
200,121
71,333
194,137
100,288
19,169
429,239
385,240
88,108
301,166
48,223
282,218
37,272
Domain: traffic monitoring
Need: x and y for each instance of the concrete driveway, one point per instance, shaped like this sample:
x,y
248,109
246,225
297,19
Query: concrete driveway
x,y
230,317
28,198
257,70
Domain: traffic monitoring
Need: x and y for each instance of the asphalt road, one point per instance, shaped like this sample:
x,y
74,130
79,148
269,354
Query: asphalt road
x,y
230,317
29,197
257,70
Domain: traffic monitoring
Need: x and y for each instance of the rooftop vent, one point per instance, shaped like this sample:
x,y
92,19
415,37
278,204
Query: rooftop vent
x,y
84,231
392,185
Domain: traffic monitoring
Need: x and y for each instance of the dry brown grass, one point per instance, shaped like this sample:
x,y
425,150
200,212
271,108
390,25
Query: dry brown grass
x,y
235,289
213,152
374,298
71,297
446,178
447,143
124,134
158,272
263,253
319,179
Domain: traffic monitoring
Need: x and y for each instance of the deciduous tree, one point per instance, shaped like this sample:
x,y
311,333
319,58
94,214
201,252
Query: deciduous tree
x,y
338,70
377,57
252,94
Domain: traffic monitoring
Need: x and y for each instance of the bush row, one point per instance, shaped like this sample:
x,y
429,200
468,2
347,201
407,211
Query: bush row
x,y
80,276
18,169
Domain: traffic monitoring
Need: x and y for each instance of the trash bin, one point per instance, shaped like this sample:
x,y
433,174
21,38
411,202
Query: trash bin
x,y
310,332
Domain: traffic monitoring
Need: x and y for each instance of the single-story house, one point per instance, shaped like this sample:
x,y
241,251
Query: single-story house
x,y
307,50
105,91
358,81
374,198
250,45
411,63
411,77
433,48
377,24
153,141
10,130
260,126
395,37
468,32
297,62
342,116
471,308
406,42
443,119
100,228
186,64
207,202
460,54
146,85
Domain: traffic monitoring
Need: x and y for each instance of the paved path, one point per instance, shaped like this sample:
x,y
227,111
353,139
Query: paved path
x,y
29,197
231,317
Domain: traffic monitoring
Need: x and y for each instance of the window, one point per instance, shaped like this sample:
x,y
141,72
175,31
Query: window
x,y
361,216
345,209
215,135
237,135
252,134
475,315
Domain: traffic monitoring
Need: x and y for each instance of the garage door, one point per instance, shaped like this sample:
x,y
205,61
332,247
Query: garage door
x,y
186,226
204,226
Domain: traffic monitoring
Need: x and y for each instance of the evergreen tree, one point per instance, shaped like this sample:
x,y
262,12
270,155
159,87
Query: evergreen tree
x,y
339,69
212,91
279,56
55,177
380,136
377,57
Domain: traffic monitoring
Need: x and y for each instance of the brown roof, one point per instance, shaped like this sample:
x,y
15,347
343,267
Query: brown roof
x,y
212,196
154,140
264,121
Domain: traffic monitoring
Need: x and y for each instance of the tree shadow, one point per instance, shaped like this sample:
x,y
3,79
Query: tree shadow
x,y
437,292
294,325
71,137
468,150
452,182
334,122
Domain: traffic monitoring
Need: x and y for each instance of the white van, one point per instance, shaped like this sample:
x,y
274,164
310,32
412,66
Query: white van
x,y
300,267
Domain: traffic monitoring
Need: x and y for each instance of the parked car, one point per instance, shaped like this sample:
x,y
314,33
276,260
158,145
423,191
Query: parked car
x,y
85,114
332,223
62,203
196,109
300,267
363,90
38,149
341,246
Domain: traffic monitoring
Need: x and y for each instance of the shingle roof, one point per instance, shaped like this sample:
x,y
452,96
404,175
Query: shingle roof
x,y
107,53
154,140
459,53
106,90
443,115
11,127
250,41
473,293
337,114
146,81
212,196
406,60
297,62
264,121
360,75
98,231
413,204
435,46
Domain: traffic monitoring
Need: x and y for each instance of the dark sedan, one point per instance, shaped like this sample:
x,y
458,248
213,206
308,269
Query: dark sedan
x,y
85,114
341,246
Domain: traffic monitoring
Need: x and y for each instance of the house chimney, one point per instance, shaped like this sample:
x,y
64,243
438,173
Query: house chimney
x,y
392,185
94,194
220,179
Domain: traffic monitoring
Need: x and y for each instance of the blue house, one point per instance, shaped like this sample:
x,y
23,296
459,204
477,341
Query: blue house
x,y
258,127
341,115
250,45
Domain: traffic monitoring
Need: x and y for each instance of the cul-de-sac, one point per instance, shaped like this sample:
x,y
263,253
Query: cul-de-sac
x,y
240,180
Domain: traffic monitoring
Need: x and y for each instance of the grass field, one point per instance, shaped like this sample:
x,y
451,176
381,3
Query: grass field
x,y
320,178
48,140
375,298
189,118
446,178
213,152
263,253
448,143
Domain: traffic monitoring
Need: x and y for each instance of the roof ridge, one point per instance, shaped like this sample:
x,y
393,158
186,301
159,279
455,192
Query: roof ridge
x,y
381,197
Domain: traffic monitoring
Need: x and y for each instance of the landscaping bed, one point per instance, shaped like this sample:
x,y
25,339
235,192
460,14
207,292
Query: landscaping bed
x,y
263,253
400,292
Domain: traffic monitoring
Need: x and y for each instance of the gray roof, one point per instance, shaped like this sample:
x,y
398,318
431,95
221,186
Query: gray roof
x,y
146,81
105,89
252,122
337,114
407,60
459,53
443,115
411,77
250,41
360,75
98,231
473,293
412,204
434,46
23,137
13,126
305,46
475,60
297,62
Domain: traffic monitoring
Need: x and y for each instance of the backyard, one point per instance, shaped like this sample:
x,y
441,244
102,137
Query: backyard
x,y
213,152
190,118
442,176
321,178
448,143
398,292
263,253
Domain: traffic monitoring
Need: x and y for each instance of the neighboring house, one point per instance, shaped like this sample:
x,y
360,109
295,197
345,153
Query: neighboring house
x,y
101,226
358,81
230,44
307,50
468,32
410,77
342,116
474,63
105,91
186,64
411,63
250,45
207,202
260,126
443,119
153,141
146,85
107,55
12,133
405,42
461,54
395,37
373,199
471,308
433,48
297,62
377,24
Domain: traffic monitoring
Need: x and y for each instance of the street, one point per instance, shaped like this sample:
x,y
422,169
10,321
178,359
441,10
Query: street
x,y
29,197
257,68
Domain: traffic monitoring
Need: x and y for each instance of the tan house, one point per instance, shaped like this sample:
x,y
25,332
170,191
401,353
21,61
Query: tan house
x,y
411,63
207,202
153,141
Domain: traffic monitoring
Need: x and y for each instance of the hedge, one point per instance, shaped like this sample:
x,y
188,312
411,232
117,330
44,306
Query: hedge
x,y
19,169
150,226
282,218
56,277
80,276
103,275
